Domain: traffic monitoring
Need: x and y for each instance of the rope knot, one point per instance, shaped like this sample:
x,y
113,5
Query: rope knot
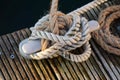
x,y
105,37
58,23
60,33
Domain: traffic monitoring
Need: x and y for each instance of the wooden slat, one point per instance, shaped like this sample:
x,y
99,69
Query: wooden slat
x,y
1,75
100,66
3,69
47,74
45,63
90,16
105,56
22,60
83,71
115,63
17,38
14,46
63,69
9,63
73,74
29,68
94,17
58,73
3,62
56,69
76,70
105,64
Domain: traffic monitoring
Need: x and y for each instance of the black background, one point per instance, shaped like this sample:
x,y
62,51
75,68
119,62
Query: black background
x,y
18,14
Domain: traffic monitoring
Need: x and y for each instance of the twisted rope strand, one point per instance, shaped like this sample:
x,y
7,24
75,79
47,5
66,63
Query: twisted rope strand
x,y
104,38
87,52
53,49
61,23
52,19
78,58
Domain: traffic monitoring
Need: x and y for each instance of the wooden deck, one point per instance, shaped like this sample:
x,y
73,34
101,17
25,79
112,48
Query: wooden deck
x,y
100,66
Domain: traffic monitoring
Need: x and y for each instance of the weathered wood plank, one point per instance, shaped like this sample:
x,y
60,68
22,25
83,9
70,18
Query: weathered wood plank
x,y
90,15
48,75
56,71
45,63
70,68
100,66
28,66
96,11
5,67
51,64
64,68
1,76
61,70
76,70
104,53
92,68
14,46
9,64
15,37
83,71
99,69
105,64
13,61
34,68
3,72
35,63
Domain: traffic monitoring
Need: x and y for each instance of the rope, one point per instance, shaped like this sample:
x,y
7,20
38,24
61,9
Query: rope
x,y
52,26
53,22
84,41
65,32
70,42
104,36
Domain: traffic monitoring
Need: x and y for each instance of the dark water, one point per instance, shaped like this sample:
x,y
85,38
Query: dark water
x,y
18,14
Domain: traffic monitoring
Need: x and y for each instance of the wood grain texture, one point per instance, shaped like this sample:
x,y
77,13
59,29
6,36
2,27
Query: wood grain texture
x,y
100,66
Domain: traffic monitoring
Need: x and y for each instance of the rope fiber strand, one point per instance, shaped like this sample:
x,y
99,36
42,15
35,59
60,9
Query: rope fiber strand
x,y
60,33
104,36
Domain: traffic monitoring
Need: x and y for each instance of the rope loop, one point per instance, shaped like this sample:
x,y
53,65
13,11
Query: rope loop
x,y
104,36
72,39
61,33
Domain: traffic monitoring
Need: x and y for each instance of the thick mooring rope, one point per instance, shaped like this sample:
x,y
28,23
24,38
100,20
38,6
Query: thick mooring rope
x,y
66,43
104,37
66,33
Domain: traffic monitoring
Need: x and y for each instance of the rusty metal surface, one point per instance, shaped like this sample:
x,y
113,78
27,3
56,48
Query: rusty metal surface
x,y
100,66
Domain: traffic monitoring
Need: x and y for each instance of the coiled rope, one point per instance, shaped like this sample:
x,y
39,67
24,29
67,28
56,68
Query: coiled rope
x,y
104,36
64,33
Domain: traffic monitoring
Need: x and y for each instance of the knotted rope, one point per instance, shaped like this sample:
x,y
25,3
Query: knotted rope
x,y
54,25
104,37
66,33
